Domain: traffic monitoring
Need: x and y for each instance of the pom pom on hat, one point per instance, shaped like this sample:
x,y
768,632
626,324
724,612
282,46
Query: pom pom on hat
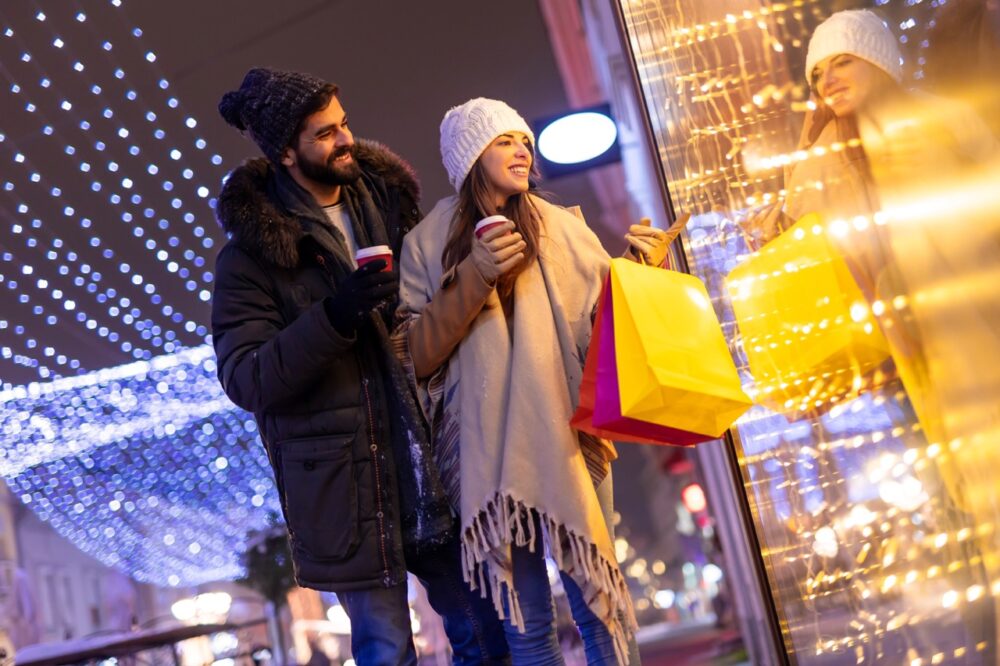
x,y
270,104
859,32
467,130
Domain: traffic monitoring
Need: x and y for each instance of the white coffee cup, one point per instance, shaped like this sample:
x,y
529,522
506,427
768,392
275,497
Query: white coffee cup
x,y
487,223
368,254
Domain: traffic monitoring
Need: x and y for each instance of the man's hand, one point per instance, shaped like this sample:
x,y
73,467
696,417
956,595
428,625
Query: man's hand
x,y
499,250
358,294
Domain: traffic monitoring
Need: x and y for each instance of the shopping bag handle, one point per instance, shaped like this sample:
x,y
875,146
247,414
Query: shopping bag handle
x,y
672,232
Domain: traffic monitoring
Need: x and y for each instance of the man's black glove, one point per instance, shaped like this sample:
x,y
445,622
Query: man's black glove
x,y
358,294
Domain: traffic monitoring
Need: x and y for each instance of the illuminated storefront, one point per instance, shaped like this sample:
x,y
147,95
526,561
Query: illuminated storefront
x,y
855,279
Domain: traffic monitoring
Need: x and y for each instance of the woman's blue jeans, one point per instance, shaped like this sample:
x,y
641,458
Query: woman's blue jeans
x,y
539,645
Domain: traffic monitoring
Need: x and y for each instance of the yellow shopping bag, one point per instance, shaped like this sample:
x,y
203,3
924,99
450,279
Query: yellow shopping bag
x,y
808,332
674,367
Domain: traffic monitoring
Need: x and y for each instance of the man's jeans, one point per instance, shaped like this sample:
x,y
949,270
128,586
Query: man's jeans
x,y
380,626
380,618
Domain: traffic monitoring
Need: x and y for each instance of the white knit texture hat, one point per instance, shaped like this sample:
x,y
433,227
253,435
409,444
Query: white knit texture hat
x,y
861,33
468,129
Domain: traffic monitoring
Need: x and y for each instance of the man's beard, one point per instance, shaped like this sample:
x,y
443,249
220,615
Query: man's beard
x,y
331,173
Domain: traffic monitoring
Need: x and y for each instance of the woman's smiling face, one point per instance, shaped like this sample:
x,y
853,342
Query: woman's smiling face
x,y
507,164
846,83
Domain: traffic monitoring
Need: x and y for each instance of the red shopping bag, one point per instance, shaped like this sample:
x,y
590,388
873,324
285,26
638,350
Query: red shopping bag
x,y
599,410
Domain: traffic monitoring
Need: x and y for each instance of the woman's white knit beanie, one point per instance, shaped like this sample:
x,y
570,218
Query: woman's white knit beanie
x,y
468,129
859,32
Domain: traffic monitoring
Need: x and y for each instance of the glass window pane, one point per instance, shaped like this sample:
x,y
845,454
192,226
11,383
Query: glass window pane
x,y
846,220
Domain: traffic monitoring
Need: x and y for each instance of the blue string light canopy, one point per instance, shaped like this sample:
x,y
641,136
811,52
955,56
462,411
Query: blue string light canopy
x,y
147,466
114,428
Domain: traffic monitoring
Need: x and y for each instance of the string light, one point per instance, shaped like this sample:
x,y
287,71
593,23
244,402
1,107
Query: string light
x,y
147,467
145,315
123,132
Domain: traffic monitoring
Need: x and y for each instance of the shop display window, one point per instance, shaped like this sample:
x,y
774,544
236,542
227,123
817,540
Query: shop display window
x,y
846,221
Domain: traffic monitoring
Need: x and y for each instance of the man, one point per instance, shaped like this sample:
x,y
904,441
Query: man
x,y
301,338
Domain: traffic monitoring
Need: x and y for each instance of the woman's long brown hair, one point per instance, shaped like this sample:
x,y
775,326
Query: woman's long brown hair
x,y
476,201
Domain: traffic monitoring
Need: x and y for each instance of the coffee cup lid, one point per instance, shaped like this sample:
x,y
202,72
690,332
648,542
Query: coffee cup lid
x,y
492,219
374,251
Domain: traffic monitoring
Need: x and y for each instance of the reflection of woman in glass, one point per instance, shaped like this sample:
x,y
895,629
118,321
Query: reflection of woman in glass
x,y
497,329
883,148
867,133
903,154
853,65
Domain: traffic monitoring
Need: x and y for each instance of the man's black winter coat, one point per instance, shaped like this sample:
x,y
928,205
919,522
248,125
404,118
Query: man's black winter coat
x,y
319,399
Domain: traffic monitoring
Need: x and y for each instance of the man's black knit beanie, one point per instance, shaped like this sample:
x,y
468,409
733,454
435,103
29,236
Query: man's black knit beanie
x,y
270,104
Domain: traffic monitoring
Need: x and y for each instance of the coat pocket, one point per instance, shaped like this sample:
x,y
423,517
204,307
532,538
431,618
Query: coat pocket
x,y
321,496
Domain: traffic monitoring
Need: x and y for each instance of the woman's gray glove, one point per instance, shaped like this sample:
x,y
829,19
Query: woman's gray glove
x,y
498,251
358,294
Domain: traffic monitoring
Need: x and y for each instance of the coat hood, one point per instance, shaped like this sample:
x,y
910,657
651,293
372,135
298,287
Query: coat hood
x,y
250,213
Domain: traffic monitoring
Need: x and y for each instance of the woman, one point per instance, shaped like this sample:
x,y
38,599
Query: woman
x,y
875,146
497,330
906,154
926,164
852,65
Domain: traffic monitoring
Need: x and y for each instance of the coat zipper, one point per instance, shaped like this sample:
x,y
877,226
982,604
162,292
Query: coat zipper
x,y
380,512
373,449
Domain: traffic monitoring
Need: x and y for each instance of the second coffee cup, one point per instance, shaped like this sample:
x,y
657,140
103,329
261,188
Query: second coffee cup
x,y
368,254
487,223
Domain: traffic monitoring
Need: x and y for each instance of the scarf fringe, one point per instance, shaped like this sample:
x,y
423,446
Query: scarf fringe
x,y
505,522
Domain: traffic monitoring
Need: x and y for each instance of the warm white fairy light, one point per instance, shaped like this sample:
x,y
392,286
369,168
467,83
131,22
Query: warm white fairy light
x,y
861,544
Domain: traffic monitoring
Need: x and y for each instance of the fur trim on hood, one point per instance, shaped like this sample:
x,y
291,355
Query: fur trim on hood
x,y
260,225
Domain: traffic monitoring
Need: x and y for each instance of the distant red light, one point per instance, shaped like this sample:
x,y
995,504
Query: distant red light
x,y
694,498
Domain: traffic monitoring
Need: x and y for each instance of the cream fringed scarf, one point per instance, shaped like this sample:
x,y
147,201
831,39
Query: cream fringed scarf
x,y
509,398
